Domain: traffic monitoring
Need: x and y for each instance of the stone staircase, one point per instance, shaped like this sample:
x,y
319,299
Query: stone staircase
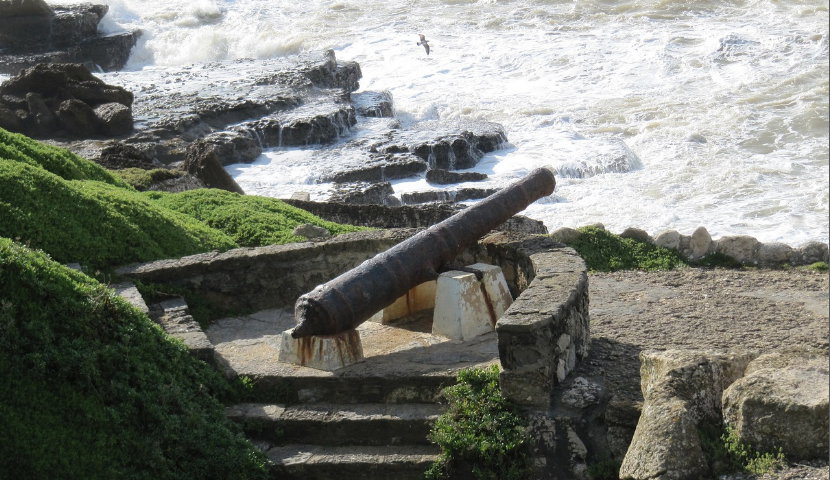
x,y
355,441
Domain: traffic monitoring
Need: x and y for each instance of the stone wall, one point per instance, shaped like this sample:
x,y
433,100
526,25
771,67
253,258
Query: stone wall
x,y
541,336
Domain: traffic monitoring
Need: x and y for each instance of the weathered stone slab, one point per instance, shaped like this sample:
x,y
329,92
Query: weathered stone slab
x,y
782,402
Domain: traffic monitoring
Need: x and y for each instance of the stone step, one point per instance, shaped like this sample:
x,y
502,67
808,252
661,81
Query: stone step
x,y
305,385
330,424
312,462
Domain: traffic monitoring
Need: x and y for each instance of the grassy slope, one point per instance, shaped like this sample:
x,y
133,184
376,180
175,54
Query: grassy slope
x,y
249,220
93,389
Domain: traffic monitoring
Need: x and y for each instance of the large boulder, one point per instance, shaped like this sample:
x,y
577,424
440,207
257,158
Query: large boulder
x,y
742,248
782,402
83,104
682,392
24,8
203,162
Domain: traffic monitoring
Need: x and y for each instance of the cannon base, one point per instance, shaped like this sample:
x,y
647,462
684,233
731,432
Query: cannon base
x,y
329,352
466,307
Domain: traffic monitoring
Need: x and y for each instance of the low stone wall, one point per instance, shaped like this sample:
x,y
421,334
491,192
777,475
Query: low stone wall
x,y
541,336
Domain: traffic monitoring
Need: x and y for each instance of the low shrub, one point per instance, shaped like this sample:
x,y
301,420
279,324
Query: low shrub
x,y
481,433
728,454
93,389
604,251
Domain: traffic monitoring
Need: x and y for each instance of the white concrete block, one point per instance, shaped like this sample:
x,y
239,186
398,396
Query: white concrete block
x,y
328,353
465,307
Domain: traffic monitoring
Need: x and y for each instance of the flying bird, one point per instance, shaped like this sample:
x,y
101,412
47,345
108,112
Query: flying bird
x,y
423,42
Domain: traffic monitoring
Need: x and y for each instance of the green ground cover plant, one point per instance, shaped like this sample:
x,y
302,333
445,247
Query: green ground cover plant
x,y
93,389
249,220
482,433
604,251
728,454
141,179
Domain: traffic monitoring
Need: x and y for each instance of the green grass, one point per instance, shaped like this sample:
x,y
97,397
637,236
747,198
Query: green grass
x,y
93,389
605,252
249,220
481,433
95,223
19,148
817,267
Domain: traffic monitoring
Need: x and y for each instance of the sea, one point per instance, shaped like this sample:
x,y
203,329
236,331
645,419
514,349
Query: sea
x,y
719,107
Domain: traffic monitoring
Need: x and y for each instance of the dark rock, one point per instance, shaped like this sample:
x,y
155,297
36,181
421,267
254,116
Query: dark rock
x,y
374,104
77,118
448,146
43,118
65,80
9,120
365,194
234,147
108,52
115,118
73,23
447,195
21,8
379,168
300,129
203,162
119,155
445,177
23,32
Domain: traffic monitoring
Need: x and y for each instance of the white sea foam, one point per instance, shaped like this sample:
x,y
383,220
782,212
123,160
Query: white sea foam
x,y
722,105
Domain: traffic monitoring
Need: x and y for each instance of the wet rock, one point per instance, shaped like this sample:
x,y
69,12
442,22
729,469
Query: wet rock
x,y
782,401
234,147
377,168
609,156
637,234
203,162
374,104
742,248
10,120
77,118
67,93
65,34
115,118
445,177
22,8
362,193
459,195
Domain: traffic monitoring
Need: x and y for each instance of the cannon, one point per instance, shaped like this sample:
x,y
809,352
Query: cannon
x,y
353,297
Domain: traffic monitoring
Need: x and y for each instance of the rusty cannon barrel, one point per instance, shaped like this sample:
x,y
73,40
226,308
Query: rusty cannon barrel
x,y
350,299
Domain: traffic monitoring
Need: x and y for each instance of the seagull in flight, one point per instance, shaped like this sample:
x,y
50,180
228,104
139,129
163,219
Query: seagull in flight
x,y
423,42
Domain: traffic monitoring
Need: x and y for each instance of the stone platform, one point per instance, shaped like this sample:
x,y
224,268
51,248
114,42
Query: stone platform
x,y
403,360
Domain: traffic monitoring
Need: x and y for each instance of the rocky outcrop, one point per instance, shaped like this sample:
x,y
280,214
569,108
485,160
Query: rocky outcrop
x,y
64,99
32,33
682,392
450,196
203,162
782,402
445,177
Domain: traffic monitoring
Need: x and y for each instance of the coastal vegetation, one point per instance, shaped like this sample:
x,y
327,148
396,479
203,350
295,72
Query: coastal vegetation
x,y
604,251
482,433
92,388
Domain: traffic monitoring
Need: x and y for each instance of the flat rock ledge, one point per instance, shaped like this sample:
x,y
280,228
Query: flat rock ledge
x,y
742,249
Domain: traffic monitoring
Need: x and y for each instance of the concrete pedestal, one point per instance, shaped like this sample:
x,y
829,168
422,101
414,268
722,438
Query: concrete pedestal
x,y
327,353
466,307
420,297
